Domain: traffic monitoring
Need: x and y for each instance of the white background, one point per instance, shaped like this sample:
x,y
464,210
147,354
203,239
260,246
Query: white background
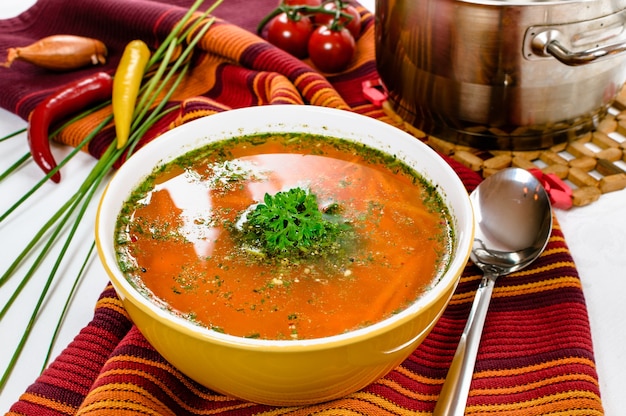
x,y
596,235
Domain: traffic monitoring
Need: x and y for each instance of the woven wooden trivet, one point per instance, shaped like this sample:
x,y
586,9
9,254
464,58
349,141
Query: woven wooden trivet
x,y
592,164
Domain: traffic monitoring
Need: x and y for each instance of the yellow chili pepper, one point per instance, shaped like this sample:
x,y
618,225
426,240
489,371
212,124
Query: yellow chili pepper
x,y
126,83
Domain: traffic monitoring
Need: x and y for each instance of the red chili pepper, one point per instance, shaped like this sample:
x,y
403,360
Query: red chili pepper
x,y
73,97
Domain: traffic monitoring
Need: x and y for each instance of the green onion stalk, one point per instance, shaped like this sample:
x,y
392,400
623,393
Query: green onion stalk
x,y
17,163
7,172
15,133
161,82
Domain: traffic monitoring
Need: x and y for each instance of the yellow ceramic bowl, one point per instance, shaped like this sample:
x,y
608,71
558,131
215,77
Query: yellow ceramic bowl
x,y
300,371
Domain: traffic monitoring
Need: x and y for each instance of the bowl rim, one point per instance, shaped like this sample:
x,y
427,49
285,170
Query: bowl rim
x,y
313,117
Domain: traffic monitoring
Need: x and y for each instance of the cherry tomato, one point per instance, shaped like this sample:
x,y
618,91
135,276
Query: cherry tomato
x,y
313,3
290,35
331,50
326,19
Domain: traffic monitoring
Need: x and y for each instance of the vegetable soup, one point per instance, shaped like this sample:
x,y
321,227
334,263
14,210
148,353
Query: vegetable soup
x,y
288,236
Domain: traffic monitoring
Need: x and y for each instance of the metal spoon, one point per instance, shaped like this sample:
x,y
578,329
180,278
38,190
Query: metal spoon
x,y
513,224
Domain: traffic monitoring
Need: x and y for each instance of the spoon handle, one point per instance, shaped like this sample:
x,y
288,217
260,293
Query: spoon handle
x,y
453,396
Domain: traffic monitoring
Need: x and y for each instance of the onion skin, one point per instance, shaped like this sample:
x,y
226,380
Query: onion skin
x,y
60,53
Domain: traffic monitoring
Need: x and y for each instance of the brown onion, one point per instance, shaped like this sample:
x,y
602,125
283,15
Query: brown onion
x,y
60,53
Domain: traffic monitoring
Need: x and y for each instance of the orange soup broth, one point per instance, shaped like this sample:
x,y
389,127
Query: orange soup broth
x,y
176,245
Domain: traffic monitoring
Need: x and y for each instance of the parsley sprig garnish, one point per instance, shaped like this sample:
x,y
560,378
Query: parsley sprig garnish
x,y
290,224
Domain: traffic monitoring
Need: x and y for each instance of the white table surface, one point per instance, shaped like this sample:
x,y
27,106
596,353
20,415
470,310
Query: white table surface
x,y
596,235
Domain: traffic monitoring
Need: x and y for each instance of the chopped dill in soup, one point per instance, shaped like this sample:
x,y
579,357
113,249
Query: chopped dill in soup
x,y
284,236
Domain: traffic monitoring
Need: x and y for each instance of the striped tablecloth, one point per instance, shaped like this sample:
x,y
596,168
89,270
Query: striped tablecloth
x,y
536,356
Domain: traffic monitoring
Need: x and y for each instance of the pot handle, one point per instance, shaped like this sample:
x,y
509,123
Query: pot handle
x,y
547,43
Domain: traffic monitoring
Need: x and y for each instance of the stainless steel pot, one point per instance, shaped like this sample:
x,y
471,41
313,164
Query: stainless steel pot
x,y
502,74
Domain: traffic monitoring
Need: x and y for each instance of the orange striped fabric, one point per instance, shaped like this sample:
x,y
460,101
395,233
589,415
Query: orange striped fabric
x,y
536,356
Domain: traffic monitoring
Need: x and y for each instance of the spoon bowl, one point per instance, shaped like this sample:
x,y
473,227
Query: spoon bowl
x,y
513,220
